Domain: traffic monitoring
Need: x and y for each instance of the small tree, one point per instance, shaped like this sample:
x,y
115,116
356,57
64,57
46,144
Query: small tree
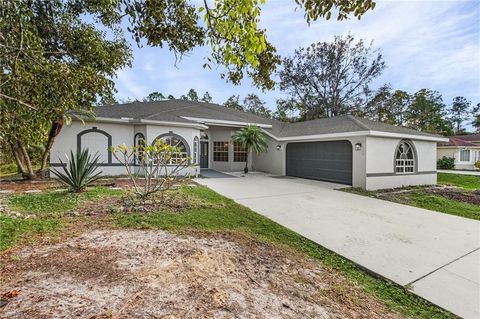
x,y
160,166
252,138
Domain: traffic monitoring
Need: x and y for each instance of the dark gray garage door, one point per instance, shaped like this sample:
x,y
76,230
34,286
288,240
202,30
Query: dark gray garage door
x,y
328,161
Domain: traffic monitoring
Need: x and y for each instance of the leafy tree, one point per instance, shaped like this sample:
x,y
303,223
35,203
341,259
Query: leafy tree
x,y
253,104
460,111
55,66
155,96
476,118
252,138
287,110
233,102
427,113
329,78
206,98
107,100
192,95
388,106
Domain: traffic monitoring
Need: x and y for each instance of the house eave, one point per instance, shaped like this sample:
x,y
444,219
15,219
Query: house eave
x,y
139,121
356,133
215,122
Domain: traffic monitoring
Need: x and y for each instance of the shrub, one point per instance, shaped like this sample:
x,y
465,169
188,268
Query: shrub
x,y
446,163
80,172
477,164
159,167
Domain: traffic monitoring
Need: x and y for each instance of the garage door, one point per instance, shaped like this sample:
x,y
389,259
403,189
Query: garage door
x,y
329,161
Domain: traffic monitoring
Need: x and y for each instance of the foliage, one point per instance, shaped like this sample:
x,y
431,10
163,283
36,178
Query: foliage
x,y
477,164
465,181
446,163
460,111
54,62
388,106
253,104
427,113
252,138
152,168
192,95
232,217
330,78
233,102
476,118
81,171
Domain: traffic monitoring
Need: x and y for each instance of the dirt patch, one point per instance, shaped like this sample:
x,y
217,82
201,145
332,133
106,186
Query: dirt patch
x,y
155,274
456,194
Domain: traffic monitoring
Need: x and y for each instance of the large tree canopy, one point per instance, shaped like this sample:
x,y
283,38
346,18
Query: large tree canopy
x,y
330,78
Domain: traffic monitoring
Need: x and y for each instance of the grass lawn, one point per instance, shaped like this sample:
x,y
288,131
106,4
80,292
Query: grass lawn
x,y
221,215
465,181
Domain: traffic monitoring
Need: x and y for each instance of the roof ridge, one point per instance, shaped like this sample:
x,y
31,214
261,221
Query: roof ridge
x,y
358,122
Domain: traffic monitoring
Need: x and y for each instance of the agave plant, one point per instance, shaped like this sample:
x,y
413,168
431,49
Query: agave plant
x,y
80,172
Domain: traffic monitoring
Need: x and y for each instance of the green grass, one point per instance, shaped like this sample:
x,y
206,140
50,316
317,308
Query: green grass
x,y
465,181
56,202
226,215
13,229
444,205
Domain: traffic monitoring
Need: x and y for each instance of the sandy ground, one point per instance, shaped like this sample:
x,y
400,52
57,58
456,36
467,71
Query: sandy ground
x,y
156,274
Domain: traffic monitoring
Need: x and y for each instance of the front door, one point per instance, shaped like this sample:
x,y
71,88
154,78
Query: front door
x,y
203,154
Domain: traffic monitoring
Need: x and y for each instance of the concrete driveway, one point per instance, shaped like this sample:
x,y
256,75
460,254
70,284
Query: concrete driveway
x,y
436,255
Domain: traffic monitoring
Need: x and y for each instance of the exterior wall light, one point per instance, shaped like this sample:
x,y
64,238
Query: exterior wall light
x,y
279,147
358,146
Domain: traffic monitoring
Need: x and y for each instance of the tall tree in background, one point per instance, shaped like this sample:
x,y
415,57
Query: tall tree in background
x,y
427,113
253,104
329,78
476,118
286,110
155,96
192,95
207,98
388,106
233,102
460,111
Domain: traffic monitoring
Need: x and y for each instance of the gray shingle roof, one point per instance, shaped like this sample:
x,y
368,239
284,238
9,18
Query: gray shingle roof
x,y
175,110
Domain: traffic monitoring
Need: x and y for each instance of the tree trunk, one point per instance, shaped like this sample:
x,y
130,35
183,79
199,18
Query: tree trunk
x,y
29,174
54,131
18,159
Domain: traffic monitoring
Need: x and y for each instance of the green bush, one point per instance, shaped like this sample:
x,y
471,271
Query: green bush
x,y
446,163
477,164
80,171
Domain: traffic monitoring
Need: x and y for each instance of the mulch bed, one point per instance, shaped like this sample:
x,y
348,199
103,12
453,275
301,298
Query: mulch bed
x,y
470,197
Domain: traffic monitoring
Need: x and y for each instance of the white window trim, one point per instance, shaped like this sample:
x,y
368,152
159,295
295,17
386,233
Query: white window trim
x,y
460,155
407,163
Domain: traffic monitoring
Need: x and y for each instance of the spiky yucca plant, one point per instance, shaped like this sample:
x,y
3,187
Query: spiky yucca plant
x,y
80,171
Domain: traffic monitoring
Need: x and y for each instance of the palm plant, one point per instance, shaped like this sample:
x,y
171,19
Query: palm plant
x,y
80,171
251,138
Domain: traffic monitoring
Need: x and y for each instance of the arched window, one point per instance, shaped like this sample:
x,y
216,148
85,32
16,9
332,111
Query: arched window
x,y
139,140
405,158
179,142
195,150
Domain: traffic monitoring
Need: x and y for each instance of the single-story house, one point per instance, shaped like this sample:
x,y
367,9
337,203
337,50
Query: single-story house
x,y
464,148
343,149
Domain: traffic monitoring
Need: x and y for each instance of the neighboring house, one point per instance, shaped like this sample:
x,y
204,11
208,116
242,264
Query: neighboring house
x,y
464,148
342,149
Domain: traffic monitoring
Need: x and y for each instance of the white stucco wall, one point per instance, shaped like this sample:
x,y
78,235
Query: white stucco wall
x,y
274,161
224,134
380,164
121,133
